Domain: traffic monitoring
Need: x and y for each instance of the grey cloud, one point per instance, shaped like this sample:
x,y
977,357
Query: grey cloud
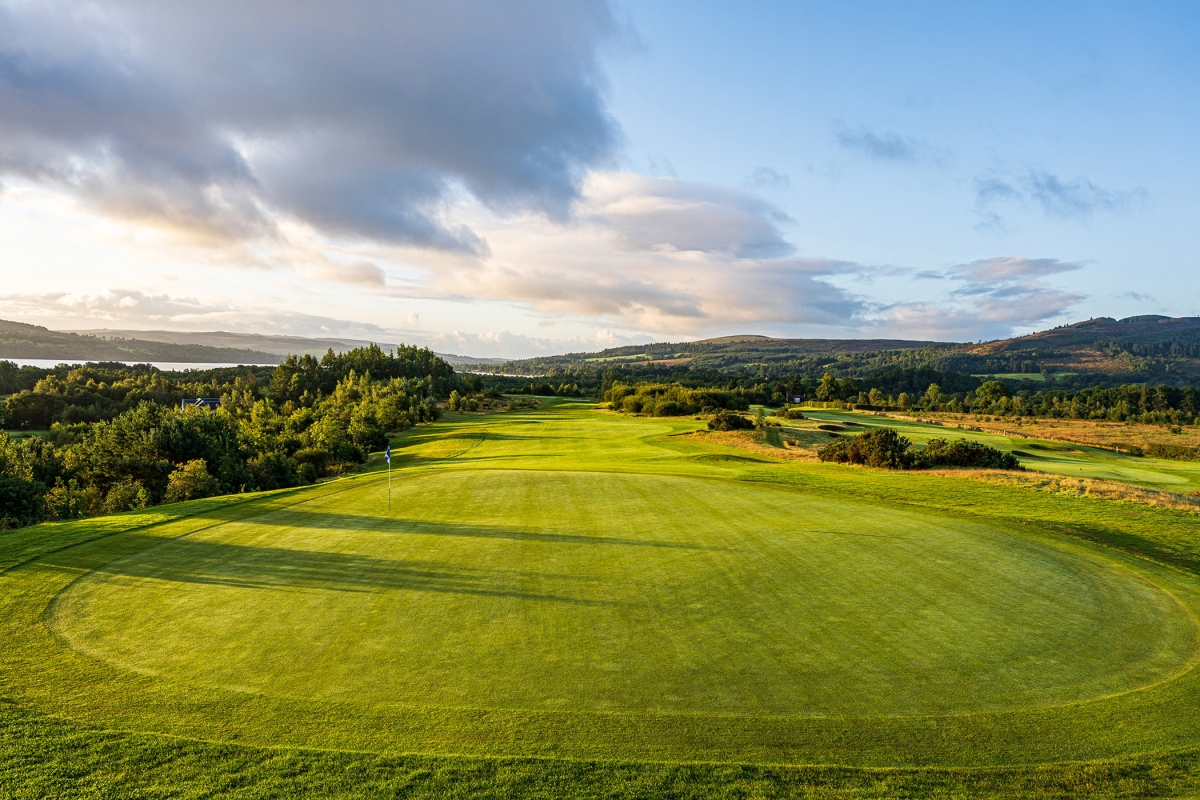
x,y
657,213
1075,198
885,146
361,118
767,178
1056,197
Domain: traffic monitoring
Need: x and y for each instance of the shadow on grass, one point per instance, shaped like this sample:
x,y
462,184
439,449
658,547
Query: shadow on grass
x,y
253,567
302,518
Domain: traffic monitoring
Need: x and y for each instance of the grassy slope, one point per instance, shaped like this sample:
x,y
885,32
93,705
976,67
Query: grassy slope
x,y
497,589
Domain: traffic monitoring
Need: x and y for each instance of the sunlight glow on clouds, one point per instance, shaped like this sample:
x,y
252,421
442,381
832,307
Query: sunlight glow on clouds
x,y
453,164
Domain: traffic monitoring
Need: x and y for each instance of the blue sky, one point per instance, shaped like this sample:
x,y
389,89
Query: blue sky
x,y
520,178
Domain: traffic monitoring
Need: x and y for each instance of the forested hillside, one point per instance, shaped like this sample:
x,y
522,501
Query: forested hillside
x,y
1104,352
18,340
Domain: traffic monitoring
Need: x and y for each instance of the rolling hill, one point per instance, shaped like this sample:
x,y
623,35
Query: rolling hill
x,y
1102,350
19,340
275,344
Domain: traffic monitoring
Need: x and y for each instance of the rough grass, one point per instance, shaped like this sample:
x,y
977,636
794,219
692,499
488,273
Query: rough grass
x,y
573,603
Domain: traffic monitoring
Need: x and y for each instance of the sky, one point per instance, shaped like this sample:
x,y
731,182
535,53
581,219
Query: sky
x,y
522,178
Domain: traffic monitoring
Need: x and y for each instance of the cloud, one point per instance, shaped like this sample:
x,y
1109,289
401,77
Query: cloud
x,y
1074,199
767,178
1056,197
1009,268
992,298
355,273
889,146
668,214
363,119
651,254
505,344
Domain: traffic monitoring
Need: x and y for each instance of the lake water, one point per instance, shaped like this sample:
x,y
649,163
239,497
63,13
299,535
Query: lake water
x,y
172,366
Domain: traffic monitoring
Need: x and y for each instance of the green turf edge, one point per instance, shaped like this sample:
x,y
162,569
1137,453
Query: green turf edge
x,y
45,757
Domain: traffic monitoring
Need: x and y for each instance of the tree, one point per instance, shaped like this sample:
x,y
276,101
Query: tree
x,y
904,401
191,481
991,392
933,396
828,388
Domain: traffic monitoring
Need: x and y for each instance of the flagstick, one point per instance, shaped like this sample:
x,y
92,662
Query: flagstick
x,y
389,484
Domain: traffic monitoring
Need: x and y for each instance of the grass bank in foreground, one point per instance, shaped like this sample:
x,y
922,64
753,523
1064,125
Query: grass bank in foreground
x,y
569,602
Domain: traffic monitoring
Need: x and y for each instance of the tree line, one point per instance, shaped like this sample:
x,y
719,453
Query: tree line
x,y
118,439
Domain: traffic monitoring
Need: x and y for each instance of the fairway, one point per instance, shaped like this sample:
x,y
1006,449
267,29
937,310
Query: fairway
x,y
572,582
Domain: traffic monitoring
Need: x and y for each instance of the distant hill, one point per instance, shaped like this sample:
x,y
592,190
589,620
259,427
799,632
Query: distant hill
x,y
1103,350
1150,346
19,340
276,345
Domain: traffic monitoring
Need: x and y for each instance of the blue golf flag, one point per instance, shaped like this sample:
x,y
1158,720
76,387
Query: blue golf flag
x,y
387,454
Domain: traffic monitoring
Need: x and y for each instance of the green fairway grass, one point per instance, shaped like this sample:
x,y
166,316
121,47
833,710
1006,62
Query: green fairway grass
x,y
577,600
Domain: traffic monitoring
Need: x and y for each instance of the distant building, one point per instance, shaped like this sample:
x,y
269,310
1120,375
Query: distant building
x,y
211,403
796,398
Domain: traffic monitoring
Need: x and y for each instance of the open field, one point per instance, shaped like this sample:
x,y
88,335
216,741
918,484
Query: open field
x,y
574,602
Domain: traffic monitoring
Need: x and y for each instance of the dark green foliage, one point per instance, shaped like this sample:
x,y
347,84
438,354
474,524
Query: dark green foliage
x,y
878,447
963,453
1174,452
883,447
118,439
21,501
728,421
789,413
673,399
301,380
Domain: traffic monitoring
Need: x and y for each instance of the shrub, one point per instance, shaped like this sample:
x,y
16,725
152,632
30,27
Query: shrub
x,y
962,453
878,447
126,495
273,471
191,481
21,501
317,458
725,420
1175,452
789,413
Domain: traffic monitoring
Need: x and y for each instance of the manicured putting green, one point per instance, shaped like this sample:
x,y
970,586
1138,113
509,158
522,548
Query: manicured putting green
x,y
575,583
601,591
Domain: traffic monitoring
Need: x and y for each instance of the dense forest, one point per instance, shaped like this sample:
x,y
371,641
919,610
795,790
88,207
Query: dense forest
x,y
117,438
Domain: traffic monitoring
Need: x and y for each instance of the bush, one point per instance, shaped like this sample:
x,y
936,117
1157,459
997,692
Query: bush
x,y
789,413
883,447
725,420
962,453
273,471
878,447
21,502
1175,452
317,458
191,481
126,495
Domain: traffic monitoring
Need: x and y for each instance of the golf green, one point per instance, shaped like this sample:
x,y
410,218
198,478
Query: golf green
x,y
570,582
